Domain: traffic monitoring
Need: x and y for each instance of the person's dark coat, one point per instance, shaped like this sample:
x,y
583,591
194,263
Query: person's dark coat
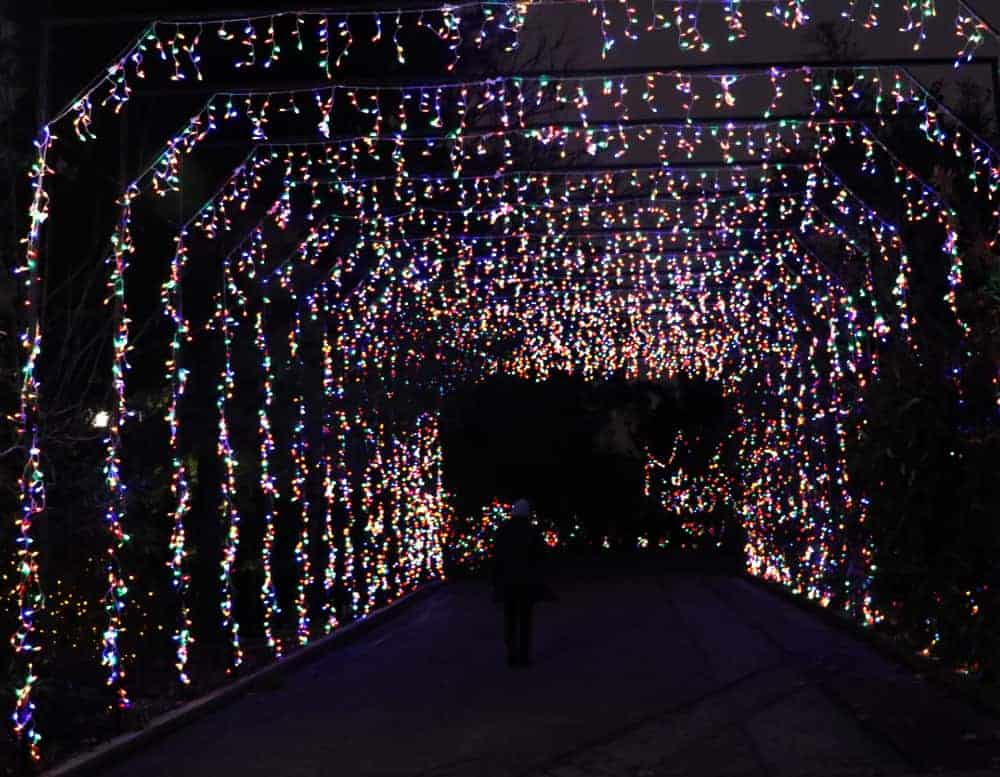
x,y
518,556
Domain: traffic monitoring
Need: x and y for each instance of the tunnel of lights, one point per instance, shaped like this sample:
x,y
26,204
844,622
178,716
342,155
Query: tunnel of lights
x,y
657,224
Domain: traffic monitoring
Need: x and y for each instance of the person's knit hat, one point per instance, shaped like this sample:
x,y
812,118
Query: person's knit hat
x,y
522,509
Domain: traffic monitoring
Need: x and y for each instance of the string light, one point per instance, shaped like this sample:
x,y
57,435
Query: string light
x,y
299,483
228,509
690,496
114,516
329,538
179,488
971,31
430,279
31,483
268,592
345,489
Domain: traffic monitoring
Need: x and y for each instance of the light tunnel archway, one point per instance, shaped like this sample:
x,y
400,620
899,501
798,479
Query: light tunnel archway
x,y
419,252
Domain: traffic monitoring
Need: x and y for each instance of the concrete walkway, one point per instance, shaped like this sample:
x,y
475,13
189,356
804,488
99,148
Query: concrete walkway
x,y
640,674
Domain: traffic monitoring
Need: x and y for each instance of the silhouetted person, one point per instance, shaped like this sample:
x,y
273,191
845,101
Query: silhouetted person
x,y
517,580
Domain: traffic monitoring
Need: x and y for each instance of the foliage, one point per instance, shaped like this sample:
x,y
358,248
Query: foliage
x,y
926,456
576,449
934,501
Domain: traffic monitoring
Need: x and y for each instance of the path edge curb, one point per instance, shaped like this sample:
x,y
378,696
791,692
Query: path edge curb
x,y
115,751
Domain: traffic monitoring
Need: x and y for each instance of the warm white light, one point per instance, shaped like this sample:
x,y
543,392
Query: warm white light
x,y
101,419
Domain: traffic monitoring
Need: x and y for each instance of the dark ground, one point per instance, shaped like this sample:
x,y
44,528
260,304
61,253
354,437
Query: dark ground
x,y
639,671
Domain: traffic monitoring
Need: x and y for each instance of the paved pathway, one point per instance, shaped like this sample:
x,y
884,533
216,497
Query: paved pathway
x,y
638,675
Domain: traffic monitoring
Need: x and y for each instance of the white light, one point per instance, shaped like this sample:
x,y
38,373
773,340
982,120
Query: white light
x,y
101,419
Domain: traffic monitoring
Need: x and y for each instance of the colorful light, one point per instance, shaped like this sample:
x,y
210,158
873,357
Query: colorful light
x,y
419,281
228,510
